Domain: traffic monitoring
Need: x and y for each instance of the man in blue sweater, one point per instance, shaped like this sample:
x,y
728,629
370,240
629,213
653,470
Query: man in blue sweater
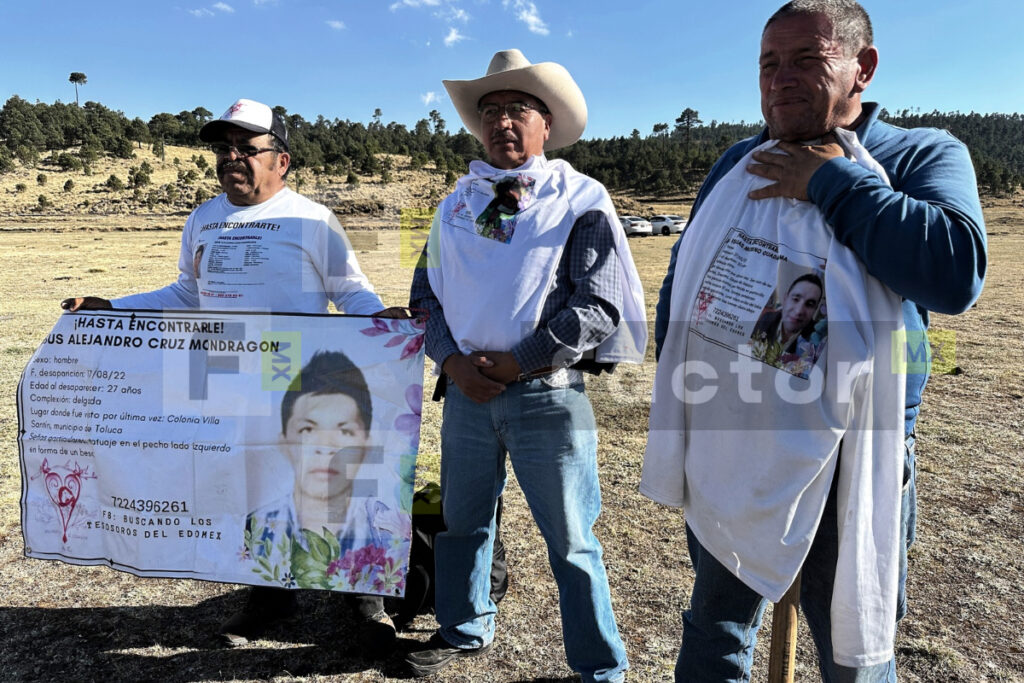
x,y
923,237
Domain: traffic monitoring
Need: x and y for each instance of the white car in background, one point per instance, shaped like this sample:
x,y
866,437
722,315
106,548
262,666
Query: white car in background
x,y
668,225
635,225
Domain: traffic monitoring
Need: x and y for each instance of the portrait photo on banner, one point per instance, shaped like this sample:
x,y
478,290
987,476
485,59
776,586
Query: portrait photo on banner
x,y
329,477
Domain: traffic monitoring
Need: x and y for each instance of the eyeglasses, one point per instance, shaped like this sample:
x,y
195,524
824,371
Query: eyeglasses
x,y
515,111
222,149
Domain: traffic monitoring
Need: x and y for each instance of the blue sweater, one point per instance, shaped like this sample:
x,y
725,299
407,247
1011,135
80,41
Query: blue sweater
x,y
924,236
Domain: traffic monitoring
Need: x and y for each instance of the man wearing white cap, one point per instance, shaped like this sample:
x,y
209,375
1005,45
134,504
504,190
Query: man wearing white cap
x,y
302,259
295,259
528,280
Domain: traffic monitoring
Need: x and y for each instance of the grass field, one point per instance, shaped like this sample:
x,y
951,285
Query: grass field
x,y
60,622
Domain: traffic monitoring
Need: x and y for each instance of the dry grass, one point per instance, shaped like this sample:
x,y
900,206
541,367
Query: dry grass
x,y
368,204
75,623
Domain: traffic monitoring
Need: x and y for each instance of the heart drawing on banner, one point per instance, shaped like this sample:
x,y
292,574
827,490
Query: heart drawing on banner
x,y
64,492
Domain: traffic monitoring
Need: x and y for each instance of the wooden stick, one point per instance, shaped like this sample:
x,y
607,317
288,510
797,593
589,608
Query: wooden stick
x,y
782,656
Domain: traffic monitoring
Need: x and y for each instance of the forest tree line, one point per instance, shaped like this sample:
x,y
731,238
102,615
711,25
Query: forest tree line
x,y
672,158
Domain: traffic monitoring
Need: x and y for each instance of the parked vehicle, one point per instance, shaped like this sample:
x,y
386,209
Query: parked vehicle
x,y
635,225
667,225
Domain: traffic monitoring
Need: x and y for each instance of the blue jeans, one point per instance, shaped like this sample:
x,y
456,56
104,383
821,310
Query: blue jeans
x,y
551,439
720,628
908,520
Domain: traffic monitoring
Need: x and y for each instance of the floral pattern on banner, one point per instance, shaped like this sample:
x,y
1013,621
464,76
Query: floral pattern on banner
x,y
410,332
409,423
310,559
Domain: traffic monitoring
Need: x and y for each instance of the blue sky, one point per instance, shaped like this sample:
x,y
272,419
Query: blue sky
x,y
638,62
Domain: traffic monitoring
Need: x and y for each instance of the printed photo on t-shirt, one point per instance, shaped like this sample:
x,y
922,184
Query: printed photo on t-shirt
x,y
493,207
765,301
498,220
197,261
792,329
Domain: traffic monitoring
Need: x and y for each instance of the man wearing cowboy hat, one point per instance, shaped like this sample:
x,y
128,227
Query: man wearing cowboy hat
x,y
296,260
528,280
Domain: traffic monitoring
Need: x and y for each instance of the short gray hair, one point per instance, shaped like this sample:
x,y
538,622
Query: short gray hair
x,y
851,25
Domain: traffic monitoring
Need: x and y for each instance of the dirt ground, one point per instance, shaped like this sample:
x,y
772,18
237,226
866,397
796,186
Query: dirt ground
x,y
61,622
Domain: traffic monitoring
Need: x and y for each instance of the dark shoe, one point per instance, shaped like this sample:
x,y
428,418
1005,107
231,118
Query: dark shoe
x,y
377,635
264,608
437,653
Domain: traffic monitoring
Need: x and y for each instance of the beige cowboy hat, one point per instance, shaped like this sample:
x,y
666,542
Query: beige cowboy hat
x,y
547,81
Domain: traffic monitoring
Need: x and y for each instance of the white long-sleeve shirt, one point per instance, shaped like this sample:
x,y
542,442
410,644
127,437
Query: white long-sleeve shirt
x,y
287,254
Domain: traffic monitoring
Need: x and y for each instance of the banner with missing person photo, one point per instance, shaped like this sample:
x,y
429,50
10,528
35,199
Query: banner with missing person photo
x,y
262,449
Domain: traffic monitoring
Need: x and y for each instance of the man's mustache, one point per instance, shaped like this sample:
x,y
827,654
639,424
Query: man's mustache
x,y
235,166
503,137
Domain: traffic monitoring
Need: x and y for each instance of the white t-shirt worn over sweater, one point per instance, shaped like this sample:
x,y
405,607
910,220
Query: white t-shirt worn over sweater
x,y
287,255
748,422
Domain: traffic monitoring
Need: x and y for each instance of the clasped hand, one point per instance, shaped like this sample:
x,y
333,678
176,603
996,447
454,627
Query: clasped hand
x,y
482,375
792,170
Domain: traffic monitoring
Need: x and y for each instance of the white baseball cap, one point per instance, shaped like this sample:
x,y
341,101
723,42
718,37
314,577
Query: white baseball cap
x,y
247,114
